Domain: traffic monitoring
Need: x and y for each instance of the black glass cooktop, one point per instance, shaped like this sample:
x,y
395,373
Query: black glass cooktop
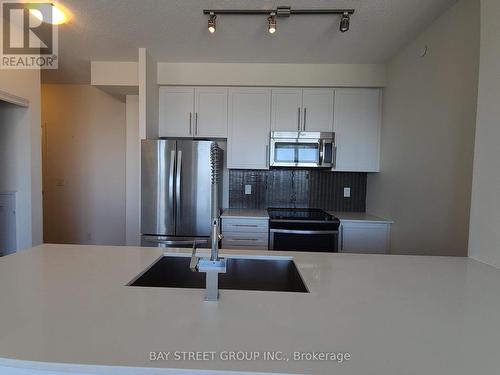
x,y
308,214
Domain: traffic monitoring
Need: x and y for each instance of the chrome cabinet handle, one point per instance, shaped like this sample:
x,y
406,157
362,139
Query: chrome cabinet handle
x,y
190,123
178,186
246,225
296,231
334,157
298,120
267,156
305,118
341,238
171,183
196,124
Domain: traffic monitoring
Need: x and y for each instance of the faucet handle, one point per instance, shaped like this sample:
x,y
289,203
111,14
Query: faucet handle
x,y
193,265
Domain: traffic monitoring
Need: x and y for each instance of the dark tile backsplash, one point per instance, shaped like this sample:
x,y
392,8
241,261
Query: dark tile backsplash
x,y
311,188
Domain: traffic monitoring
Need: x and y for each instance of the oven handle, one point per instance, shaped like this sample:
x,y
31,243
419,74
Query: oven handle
x,y
294,231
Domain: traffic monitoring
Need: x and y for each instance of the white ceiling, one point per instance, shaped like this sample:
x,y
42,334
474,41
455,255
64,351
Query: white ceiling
x,y
176,31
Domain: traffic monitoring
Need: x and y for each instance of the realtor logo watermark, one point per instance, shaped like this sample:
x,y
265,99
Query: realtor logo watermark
x,y
29,38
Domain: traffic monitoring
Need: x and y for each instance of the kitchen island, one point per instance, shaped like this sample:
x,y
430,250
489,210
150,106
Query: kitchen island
x,y
68,309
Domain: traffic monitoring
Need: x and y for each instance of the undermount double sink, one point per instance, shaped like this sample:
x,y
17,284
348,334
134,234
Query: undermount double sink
x,y
274,274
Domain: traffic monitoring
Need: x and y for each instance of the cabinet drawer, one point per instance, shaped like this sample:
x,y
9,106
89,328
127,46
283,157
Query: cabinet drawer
x,y
253,240
244,225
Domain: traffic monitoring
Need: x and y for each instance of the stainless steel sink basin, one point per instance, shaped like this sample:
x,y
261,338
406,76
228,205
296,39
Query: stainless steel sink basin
x,y
266,274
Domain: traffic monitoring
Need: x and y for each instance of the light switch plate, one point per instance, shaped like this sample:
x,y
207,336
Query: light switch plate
x,y
347,192
248,189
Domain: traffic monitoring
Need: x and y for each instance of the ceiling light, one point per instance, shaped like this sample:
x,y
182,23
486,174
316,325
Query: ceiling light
x,y
212,26
58,15
272,23
344,22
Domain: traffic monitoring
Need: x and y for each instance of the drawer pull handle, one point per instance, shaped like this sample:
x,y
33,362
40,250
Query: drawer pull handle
x,y
246,225
245,239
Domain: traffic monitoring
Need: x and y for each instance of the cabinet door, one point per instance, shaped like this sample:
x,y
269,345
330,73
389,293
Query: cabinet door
x,y
210,112
286,110
317,110
357,129
364,238
249,128
176,107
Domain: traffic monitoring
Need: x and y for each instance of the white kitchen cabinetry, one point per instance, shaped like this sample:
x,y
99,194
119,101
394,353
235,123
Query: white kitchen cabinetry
x,y
365,237
286,110
245,233
317,110
210,108
176,107
249,128
302,110
357,125
193,112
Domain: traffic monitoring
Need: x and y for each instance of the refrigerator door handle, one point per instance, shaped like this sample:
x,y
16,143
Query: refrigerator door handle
x,y
178,186
171,183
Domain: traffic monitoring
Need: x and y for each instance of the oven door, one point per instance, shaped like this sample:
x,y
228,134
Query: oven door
x,y
304,240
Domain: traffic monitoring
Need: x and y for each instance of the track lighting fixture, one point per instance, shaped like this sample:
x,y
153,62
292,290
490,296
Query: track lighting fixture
x,y
282,11
344,22
272,23
212,26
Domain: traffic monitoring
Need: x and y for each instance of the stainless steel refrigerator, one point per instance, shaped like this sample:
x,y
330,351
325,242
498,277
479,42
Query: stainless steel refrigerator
x,y
176,193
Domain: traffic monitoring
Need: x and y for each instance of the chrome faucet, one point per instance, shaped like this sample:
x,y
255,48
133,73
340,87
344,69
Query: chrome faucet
x,y
214,265
211,266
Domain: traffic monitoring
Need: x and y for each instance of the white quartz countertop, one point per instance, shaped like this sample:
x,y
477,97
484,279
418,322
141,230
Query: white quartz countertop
x,y
359,216
68,304
343,216
235,213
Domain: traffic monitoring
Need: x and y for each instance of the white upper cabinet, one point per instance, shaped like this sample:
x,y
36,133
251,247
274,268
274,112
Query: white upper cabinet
x,y
176,107
210,108
193,112
317,110
249,128
357,125
286,110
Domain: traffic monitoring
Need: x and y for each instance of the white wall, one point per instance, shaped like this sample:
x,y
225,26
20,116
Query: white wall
x,y
148,94
25,84
84,159
15,162
133,173
326,75
428,137
484,244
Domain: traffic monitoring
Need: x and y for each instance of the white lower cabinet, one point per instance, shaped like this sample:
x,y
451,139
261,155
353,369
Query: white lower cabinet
x,y
245,233
364,237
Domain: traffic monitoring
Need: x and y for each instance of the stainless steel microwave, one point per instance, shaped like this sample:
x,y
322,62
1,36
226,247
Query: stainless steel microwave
x,y
302,149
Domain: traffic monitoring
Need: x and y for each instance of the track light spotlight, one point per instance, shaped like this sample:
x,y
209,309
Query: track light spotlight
x,y
272,23
211,23
344,22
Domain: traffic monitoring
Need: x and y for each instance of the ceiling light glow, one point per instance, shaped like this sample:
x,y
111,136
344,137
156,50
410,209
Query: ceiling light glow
x,y
272,23
212,26
58,15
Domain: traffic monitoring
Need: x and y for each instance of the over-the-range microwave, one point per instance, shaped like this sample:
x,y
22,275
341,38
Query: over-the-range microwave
x,y
302,149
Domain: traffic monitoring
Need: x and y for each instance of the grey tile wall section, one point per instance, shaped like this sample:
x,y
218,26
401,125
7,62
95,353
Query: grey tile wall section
x,y
297,188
